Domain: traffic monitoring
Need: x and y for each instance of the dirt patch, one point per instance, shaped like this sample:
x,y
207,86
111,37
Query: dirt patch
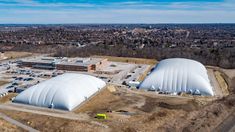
x,y
151,104
8,127
130,111
229,77
157,115
15,54
229,101
206,118
100,103
130,60
223,84
144,74
3,82
48,124
134,110
7,98
107,101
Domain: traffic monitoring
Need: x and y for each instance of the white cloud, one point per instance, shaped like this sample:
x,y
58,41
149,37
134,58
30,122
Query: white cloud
x,y
226,5
118,16
41,5
120,12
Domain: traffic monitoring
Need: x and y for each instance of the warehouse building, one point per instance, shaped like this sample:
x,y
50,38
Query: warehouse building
x,y
64,92
41,63
69,64
82,64
178,75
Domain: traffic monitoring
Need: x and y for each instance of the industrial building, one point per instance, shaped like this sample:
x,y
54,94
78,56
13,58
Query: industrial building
x,y
64,92
69,64
178,75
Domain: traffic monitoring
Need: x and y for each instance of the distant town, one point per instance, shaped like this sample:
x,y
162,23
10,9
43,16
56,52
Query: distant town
x,y
117,77
211,44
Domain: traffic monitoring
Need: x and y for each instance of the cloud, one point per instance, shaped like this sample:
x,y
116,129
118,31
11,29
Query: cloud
x,y
123,4
118,16
33,4
29,11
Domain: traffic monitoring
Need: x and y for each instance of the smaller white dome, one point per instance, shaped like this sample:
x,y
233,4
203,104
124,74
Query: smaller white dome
x,y
178,75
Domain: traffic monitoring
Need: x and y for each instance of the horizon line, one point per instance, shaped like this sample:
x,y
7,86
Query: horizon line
x,y
112,23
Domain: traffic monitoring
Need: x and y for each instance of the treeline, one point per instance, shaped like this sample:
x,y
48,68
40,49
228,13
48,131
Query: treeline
x,y
222,57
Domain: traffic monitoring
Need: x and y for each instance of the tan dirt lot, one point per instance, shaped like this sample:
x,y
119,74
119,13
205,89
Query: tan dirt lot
x,y
7,127
133,110
15,54
130,60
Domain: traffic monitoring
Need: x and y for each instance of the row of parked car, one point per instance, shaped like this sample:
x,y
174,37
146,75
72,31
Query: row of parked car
x,y
35,73
3,94
22,79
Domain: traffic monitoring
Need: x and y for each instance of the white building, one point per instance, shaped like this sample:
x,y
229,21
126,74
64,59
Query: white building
x,y
178,75
65,92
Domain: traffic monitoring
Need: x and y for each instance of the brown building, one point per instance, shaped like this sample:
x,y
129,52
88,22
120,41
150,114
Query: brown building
x,y
69,64
82,64
40,63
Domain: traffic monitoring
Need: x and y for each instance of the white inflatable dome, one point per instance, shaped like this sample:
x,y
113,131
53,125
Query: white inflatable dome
x,y
65,92
178,75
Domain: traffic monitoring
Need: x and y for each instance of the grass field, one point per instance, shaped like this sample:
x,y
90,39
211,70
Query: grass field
x,y
130,60
222,83
15,54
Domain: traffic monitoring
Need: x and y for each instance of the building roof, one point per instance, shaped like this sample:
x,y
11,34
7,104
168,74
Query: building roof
x,y
65,61
45,60
81,61
65,92
178,75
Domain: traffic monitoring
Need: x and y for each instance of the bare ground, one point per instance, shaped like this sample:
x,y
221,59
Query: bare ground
x,y
139,111
2,82
7,98
133,110
130,60
48,123
15,54
8,127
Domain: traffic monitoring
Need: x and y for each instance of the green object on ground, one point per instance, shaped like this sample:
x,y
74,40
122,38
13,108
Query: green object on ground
x,y
101,116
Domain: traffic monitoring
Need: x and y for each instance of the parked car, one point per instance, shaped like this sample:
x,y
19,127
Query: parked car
x,y
14,84
19,78
28,79
11,86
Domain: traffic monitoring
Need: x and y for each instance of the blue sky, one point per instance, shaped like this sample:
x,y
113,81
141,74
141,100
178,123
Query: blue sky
x,y
116,11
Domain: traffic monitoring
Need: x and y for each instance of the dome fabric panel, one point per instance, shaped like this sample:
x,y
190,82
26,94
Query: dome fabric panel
x,y
178,75
65,92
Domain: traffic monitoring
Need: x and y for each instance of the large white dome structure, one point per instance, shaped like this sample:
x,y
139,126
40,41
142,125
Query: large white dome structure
x,y
178,75
65,92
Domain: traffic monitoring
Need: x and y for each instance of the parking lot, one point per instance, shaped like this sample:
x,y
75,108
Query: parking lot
x,y
121,73
20,78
